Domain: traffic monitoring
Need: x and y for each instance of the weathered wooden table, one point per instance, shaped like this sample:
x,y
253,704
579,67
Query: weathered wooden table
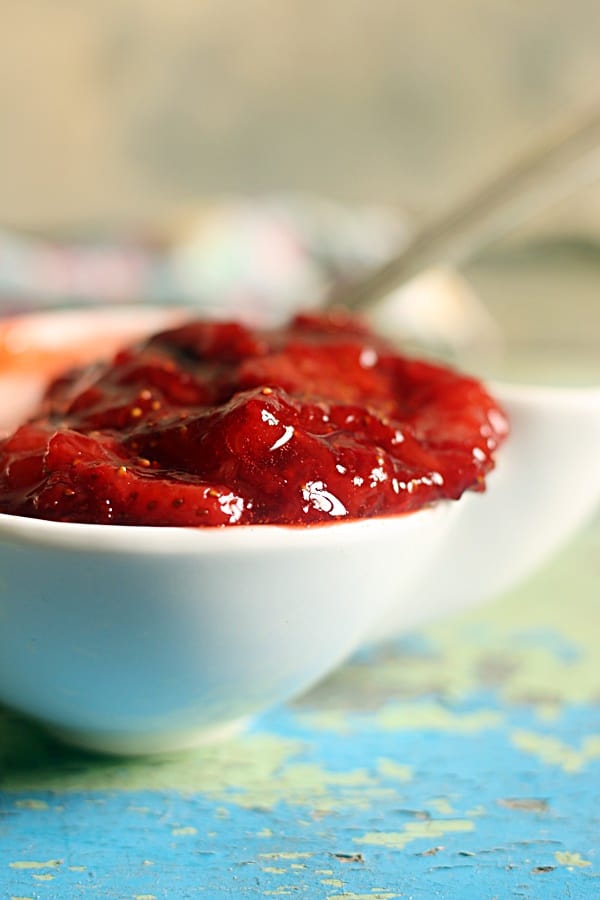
x,y
464,762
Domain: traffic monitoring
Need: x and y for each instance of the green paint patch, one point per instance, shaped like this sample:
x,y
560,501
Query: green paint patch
x,y
331,720
538,649
250,771
184,831
526,804
285,855
413,831
372,896
313,786
530,647
34,864
390,769
441,806
551,751
572,860
548,712
31,804
247,763
435,717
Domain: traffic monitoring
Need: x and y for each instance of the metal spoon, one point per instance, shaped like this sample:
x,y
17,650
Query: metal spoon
x,y
566,158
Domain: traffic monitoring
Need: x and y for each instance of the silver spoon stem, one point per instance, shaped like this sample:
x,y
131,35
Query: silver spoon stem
x,y
566,159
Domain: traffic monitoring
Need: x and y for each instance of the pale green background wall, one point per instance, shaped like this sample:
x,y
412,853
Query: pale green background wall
x,y
122,109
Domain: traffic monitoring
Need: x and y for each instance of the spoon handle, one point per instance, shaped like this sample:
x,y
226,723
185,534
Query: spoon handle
x,y
565,159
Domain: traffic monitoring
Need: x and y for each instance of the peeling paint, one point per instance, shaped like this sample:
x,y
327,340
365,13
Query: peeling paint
x,y
335,721
376,896
246,766
552,751
30,803
541,657
32,864
442,806
434,717
398,771
571,859
413,831
249,771
525,804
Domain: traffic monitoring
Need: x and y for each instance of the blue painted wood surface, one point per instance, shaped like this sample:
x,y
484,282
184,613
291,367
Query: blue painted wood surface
x,y
464,762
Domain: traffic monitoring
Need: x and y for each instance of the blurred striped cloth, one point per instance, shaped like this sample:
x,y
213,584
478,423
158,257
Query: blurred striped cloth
x,y
271,257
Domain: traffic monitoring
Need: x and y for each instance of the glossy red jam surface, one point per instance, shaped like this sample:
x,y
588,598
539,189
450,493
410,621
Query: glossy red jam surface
x,y
213,424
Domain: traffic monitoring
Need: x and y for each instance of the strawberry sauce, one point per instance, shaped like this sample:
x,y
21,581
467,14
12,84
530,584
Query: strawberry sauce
x,y
213,424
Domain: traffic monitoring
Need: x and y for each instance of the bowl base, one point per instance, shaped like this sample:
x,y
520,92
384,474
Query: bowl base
x,y
144,744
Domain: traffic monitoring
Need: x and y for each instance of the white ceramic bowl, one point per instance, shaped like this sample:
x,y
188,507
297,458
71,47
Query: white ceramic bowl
x,y
132,639
139,639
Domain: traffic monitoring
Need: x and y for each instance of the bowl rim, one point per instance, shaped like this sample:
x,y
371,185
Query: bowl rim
x,y
208,541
